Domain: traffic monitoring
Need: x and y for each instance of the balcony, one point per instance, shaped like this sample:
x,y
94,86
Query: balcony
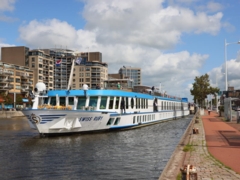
x,y
25,90
25,76
5,72
6,87
4,80
25,83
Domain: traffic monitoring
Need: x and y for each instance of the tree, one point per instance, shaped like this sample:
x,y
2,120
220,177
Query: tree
x,y
201,88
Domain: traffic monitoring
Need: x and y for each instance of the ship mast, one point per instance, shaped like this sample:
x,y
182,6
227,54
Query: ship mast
x,y
71,75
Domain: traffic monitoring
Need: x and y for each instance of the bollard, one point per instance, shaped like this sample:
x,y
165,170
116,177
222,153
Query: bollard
x,y
195,131
189,172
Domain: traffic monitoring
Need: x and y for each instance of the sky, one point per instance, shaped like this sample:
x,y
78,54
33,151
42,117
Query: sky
x,y
172,41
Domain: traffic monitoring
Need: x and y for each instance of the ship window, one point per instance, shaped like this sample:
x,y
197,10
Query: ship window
x,y
111,103
62,101
126,102
110,121
138,119
70,100
117,103
53,101
134,117
93,101
132,103
117,121
81,102
103,102
45,100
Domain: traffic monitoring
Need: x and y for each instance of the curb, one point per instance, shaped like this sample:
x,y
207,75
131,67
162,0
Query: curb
x,y
172,169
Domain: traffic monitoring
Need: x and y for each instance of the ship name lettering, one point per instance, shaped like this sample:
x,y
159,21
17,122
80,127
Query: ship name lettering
x,y
98,118
85,119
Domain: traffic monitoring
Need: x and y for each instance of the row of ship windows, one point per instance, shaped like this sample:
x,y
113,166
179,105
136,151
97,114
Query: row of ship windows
x,y
136,119
110,102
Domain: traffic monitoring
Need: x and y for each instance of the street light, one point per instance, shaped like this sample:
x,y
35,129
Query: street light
x,y
225,52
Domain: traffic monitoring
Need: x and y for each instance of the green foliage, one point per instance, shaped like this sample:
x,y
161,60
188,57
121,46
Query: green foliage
x,y
7,98
201,88
19,99
179,176
188,147
221,108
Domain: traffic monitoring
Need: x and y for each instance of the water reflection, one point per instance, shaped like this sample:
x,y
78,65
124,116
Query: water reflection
x,y
133,154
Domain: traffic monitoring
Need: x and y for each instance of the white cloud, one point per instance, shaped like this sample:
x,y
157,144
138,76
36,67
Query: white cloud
x,y
214,6
217,75
132,33
148,24
6,5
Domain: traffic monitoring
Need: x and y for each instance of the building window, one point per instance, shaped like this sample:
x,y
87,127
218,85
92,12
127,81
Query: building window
x,y
33,59
33,65
40,66
18,80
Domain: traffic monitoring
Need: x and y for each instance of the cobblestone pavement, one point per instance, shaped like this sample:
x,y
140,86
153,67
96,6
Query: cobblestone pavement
x,y
208,167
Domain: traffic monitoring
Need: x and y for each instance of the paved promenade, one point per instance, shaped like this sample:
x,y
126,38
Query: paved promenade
x,y
220,140
215,150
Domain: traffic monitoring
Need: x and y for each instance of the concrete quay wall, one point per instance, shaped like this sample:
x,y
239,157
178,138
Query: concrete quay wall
x,y
176,161
11,114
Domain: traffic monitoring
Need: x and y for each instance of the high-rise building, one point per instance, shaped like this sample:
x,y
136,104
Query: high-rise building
x,y
15,81
131,73
91,71
53,66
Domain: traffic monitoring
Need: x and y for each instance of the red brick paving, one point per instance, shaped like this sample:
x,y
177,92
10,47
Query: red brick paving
x,y
223,140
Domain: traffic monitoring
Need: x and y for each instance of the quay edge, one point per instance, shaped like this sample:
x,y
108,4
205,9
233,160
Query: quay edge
x,y
172,168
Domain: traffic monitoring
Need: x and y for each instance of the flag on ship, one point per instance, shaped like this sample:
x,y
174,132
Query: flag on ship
x,y
79,60
58,62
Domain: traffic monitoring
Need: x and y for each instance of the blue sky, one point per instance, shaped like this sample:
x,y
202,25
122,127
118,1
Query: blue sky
x,y
173,41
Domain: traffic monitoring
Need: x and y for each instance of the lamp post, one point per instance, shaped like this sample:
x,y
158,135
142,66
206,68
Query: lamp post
x,y
225,52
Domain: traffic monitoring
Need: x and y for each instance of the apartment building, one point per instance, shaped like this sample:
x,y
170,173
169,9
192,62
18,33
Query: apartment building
x,y
131,73
15,82
90,71
53,66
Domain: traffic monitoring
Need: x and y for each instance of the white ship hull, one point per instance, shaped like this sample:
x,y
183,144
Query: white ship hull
x,y
77,121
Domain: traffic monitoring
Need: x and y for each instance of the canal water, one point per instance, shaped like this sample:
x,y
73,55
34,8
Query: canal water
x,y
139,154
